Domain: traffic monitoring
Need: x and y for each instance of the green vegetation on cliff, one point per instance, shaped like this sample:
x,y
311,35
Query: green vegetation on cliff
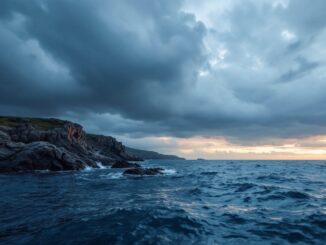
x,y
43,123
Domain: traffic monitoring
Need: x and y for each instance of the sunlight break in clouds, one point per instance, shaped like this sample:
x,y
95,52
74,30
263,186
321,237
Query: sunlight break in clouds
x,y
288,36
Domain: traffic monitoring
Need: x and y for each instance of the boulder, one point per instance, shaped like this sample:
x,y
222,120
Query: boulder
x,y
143,171
125,164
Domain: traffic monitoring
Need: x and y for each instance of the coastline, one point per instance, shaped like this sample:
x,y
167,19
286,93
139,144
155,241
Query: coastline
x,y
28,144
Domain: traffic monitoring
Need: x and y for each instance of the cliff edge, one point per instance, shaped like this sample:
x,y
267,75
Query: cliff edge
x,y
53,144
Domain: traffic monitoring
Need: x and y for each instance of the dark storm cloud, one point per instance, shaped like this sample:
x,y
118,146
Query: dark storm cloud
x,y
247,71
125,56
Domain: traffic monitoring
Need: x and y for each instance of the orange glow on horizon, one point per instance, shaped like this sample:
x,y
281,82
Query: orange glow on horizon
x,y
310,148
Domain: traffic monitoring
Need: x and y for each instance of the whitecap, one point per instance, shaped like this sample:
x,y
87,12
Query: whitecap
x,y
114,176
169,171
318,196
276,218
100,165
88,168
42,171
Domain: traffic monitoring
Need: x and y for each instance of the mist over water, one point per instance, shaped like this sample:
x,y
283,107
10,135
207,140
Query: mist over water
x,y
194,202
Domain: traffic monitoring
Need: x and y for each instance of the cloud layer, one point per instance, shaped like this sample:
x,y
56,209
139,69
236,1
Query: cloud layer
x,y
247,71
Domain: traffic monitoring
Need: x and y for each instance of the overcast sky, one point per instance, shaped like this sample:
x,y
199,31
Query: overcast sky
x,y
215,79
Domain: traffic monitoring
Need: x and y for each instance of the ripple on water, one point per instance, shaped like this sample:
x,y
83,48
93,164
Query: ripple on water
x,y
212,173
234,219
286,195
245,186
193,202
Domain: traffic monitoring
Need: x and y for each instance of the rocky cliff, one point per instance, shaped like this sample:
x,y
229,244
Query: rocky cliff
x,y
151,154
52,144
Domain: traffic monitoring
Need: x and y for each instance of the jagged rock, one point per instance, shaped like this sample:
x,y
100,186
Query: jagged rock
x,y
143,171
125,164
34,143
69,135
39,156
109,146
4,138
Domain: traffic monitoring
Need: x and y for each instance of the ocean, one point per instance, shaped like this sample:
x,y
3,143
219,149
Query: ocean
x,y
194,202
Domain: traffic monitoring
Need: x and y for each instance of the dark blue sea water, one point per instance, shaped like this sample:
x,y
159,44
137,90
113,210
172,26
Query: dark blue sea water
x,y
194,202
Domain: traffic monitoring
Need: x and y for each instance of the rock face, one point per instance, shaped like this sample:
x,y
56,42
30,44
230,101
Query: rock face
x,y
125,164
109,146
40,156
143,171
39,144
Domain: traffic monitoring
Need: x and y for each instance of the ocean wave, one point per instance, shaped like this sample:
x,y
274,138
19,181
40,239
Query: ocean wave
x,y
117,175
296,195
239,187
245,186
238,209
188,204
275,234
266,189
285,195
209,173
234,219
275,177
195,191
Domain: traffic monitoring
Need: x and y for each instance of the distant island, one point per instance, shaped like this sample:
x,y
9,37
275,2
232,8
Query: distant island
x,y
54,144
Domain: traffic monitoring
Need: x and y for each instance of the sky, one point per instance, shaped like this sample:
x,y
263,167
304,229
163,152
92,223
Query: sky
x,y
201,79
